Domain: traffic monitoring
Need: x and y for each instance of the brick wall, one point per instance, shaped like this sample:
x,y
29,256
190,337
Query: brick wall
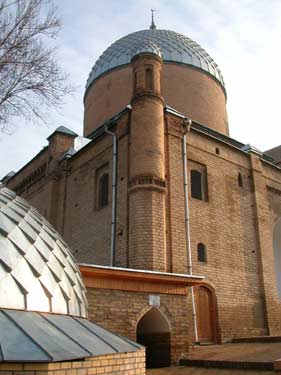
x,y
120,312
147,246
188,90
122,205
267,185
226,224
115,364
86,225
235,223
37,191
109,95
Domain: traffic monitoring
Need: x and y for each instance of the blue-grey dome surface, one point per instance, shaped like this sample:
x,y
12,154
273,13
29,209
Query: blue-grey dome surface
x,y
37,269
146,46
174,47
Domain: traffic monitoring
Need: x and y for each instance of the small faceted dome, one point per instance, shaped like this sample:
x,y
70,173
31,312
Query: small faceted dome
x,y
174,47
146,46
37,269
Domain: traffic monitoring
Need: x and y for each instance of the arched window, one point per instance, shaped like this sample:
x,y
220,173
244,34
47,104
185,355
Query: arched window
x,y
103,190
196,184
149,78
201,253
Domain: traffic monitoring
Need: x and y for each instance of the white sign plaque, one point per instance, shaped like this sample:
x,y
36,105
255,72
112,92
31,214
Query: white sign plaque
x,y
154,300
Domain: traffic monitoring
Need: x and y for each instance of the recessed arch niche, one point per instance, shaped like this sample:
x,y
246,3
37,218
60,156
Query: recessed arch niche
x,y
154,332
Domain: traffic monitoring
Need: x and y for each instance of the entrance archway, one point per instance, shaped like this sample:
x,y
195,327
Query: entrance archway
x,y
153,331
277,255
205,315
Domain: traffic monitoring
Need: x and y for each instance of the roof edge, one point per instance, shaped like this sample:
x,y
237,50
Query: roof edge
x,y
63,130
140,272
44,149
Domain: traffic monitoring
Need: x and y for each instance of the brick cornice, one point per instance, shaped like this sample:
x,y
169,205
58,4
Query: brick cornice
x,y
174,126
147,182
145,95
137,281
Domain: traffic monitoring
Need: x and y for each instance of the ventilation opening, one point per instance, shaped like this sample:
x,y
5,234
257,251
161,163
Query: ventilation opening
x,y
149,78
240,181
153,331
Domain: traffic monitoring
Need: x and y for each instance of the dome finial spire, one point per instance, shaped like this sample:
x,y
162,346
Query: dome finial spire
x,y
152,26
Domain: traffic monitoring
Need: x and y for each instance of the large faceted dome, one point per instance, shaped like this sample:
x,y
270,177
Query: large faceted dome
x,y
174,47
37,269
190,80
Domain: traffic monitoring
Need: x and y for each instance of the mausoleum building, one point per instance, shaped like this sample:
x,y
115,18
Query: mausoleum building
x,y
175,225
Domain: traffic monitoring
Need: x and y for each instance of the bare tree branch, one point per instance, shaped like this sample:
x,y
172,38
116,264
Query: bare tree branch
x,y
30,79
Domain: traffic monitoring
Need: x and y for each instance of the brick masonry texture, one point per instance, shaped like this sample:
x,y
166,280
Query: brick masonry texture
x,y
240,263
186,89
116,364
234,222
147,248
120,312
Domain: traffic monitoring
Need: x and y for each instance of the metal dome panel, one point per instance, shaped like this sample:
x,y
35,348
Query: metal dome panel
x,y
37,269
173,46
146,46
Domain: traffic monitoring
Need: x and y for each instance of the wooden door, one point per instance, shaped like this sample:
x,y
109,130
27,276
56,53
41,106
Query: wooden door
x,y
205,315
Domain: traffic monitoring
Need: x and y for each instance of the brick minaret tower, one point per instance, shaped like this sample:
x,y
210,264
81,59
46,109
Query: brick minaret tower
x,y
147,240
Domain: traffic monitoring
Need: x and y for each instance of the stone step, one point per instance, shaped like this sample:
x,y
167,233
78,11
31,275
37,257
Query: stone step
x,y
249,340
235,365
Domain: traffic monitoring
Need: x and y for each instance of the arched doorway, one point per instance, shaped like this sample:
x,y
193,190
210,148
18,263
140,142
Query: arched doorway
x,y
277,255
205,315
153,331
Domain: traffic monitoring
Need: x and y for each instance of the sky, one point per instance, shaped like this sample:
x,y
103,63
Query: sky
x,y
242,36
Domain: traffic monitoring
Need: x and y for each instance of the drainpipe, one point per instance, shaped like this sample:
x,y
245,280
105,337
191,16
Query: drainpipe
x,y
114,194
187,125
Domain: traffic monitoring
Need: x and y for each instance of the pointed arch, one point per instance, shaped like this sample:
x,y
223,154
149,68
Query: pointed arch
x,y
155,320
154,332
